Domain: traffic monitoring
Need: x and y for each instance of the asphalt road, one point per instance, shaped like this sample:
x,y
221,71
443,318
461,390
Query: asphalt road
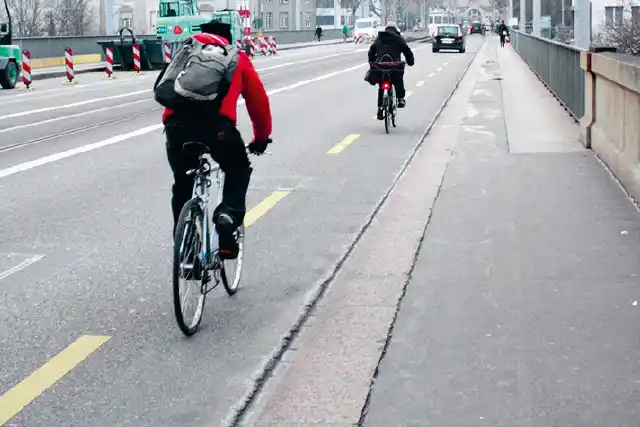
x,y
85,244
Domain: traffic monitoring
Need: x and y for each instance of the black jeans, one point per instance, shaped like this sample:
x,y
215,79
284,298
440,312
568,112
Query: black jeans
x,y
227,149
503,39
397,80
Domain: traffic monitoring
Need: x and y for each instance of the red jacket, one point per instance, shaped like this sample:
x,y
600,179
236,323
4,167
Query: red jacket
x,y
245,82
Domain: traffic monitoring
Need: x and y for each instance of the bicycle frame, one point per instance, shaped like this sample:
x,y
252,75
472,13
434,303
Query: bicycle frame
x,y
201,192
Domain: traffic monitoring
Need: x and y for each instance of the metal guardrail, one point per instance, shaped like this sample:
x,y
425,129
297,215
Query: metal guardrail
x,y
557,65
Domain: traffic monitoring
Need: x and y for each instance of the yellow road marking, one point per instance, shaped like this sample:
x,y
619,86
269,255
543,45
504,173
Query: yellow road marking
x,y
14,401
350,139
259,210
420,83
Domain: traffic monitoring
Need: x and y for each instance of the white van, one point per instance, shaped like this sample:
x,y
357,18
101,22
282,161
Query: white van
x,y
366,28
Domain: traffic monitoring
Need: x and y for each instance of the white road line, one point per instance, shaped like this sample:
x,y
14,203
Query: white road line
x,y
48,93
75,104
22,265
85,113
431,74
286,64
142,131
439,69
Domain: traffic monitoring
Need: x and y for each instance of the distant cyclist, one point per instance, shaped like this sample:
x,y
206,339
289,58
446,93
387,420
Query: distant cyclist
x,y
389,46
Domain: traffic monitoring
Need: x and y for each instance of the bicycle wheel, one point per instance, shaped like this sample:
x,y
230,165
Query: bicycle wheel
x,y
393,110
385,109
188,267
231,269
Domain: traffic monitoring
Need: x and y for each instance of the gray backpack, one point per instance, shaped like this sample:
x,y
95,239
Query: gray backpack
x,y
199,73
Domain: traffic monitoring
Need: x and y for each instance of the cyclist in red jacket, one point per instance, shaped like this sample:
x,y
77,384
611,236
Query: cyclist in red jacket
x,y
224,141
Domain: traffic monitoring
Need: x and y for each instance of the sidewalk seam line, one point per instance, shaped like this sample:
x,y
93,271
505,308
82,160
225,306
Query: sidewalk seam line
x,y
365,407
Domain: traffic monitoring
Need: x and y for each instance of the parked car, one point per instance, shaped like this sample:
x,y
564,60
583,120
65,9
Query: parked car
x,y
449,37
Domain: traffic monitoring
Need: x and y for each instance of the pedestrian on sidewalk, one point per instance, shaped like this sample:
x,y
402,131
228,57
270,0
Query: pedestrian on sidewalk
x,y
345,33
503,30
318,33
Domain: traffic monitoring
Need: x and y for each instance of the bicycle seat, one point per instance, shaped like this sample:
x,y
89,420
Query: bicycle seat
x,y
196,147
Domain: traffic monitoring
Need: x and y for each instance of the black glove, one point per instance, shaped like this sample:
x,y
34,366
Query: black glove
x,y
259,147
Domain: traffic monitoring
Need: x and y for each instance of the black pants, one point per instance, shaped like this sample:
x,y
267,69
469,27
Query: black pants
x,y
502,40
227,149
397,80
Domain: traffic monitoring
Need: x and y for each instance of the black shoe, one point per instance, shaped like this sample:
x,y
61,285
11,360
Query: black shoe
x,y
380,114
226,238
402,103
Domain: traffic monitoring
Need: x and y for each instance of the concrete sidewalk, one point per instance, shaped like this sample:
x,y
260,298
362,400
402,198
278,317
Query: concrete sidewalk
x,y
522,304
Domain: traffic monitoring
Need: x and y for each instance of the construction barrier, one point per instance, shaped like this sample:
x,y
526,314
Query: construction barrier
x,y
136,59
68,63
109,68
26,68
167,53
265,45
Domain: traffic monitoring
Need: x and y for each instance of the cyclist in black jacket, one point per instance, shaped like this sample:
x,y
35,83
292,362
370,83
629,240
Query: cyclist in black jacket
x,y
388,47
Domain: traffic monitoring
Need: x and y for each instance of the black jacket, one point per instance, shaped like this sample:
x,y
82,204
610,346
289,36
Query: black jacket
x,y
391,43
502,28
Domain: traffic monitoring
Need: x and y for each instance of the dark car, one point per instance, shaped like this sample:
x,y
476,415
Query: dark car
x,y
476,28
449,37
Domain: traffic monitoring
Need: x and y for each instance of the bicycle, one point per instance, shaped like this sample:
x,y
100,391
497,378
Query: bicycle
x,y
389,107
195,251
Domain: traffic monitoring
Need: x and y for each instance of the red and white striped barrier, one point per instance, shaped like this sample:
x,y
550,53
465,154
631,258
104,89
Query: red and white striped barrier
x,y
273,49
136,59
167,53
109,68
252,41
26,68
262,46
68,62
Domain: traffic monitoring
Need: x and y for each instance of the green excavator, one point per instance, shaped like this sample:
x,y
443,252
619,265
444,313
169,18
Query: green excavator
x,y
10,54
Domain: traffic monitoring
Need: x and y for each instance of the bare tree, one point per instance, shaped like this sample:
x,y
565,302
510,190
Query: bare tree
x,y
384,10
623,33
352,5
73,17
27,17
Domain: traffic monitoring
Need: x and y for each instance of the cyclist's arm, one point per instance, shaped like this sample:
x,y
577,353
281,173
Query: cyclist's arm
x,y
408,54
256,99
373,51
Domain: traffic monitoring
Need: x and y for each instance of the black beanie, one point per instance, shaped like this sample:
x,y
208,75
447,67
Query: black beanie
x,y
218,28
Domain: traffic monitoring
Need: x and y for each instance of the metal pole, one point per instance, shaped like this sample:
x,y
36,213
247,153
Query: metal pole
x,y
523,16
582,24
562,13
536,18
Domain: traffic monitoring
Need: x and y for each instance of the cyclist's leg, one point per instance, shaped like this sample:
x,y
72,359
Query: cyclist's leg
x,y
380,96
398,84
230,153
180,162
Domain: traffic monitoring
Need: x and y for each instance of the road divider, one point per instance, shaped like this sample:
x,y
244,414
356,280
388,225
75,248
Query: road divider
x,y
25,392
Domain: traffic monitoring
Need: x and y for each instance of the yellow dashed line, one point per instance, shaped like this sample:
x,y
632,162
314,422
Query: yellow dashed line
x,y
420,84
25,392
350,139
259,210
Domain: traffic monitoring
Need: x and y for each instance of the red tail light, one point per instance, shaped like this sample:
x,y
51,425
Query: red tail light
x,y
386,85
177,30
